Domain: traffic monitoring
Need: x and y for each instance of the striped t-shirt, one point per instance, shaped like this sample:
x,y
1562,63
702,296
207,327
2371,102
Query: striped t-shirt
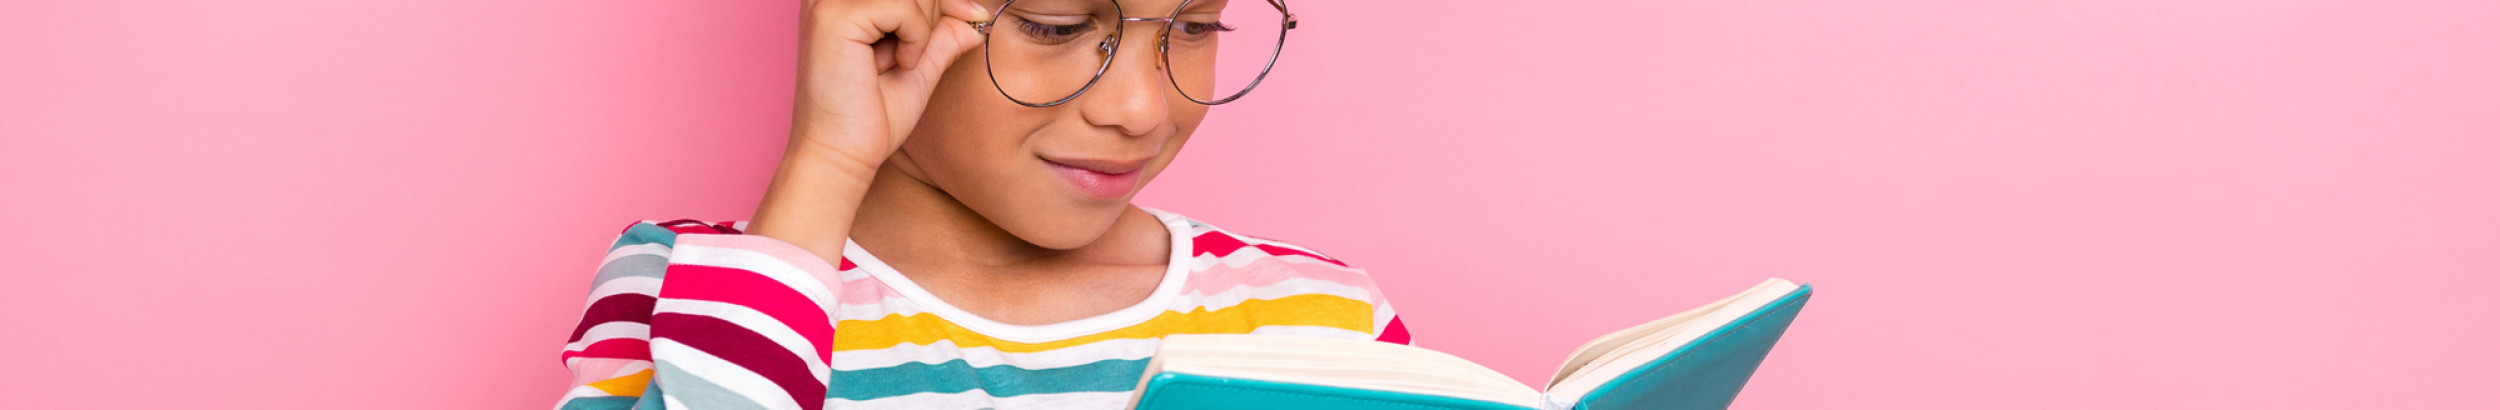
x,y
692,315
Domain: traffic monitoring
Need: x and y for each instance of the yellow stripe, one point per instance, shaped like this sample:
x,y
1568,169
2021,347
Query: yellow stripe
x,y
627,385
1297,310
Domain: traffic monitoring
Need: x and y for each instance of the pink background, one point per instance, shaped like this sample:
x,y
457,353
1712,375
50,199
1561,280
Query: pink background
x,y
2006,204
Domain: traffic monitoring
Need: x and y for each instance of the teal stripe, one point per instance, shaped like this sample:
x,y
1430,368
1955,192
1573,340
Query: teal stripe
x,y
645,232
955,376
651,398
695,391
600,403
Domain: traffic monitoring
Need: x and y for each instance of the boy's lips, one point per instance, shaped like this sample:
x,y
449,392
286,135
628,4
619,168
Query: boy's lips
x,y
1104,166
1098,179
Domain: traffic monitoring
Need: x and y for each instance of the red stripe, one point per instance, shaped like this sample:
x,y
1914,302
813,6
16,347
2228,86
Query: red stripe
x,y
637,349
1396,333
627,307
847,265
743,347
754,291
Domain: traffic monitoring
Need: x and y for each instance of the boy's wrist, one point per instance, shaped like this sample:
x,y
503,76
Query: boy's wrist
x,y
812,200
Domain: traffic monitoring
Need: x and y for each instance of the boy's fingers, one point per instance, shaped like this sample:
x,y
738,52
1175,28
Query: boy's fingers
x,y
913,31
952,39
953,36
884,53
966,10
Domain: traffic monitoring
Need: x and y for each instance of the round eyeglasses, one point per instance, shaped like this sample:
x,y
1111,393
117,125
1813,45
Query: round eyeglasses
x,y
1043,53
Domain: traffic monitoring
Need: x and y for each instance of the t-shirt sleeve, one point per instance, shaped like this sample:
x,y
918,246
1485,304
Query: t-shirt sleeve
x,y
1391,326
1387,327
700,317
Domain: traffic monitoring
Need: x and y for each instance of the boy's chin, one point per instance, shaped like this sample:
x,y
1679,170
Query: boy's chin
x,y
1067,225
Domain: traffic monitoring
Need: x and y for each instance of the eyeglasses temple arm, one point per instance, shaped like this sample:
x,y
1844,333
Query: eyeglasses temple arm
x,y
1290,22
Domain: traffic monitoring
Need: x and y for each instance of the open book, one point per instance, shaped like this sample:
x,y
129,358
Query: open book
x,y
1697,359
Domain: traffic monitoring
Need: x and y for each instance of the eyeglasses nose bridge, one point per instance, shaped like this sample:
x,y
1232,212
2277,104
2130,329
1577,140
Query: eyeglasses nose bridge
x,y
1163,42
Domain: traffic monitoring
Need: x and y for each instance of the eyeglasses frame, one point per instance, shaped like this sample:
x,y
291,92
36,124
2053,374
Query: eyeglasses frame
x,y
1111,48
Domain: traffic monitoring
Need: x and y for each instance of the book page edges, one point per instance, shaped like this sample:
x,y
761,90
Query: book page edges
x,y
1731,354
1710,321
1615,342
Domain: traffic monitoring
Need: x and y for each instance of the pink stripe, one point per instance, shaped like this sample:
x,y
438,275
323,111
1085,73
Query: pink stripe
x,y
866,291
815,266
754,291
1269,271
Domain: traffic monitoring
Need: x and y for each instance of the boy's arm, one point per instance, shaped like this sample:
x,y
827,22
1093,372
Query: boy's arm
x,y
703,320
743,321
609,353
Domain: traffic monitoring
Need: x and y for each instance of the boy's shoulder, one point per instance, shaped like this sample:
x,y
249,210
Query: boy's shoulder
x,y
1220,251
1209,240
1245,266
664,233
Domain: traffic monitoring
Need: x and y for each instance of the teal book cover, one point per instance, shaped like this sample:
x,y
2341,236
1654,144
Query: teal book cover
x,y
1698,359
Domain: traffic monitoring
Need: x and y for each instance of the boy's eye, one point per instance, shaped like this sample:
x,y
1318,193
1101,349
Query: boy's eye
x,y
1198,29
1054,33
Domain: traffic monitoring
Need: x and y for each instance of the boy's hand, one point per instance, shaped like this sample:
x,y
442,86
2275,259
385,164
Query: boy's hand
x,y
866,69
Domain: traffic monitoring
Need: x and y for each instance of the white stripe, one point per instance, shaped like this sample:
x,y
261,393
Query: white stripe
x,y
874,311
895,305
635,249
1279,290
853,275
1256,241
617,329
1247,256
760,263
640,285
754,320
976,398
1381,317
580,392
721,373
986,356
630,368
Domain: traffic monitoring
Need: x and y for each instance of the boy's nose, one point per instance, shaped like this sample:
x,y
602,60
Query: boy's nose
x,y
1130,95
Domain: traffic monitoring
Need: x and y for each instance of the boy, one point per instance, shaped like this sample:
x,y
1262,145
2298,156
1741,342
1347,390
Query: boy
x,y
1009,269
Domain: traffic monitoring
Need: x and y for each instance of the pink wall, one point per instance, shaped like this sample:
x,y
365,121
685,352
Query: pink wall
x,y
2007,204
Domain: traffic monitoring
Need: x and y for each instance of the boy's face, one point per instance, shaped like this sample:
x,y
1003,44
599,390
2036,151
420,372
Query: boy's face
x,y
1059,176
